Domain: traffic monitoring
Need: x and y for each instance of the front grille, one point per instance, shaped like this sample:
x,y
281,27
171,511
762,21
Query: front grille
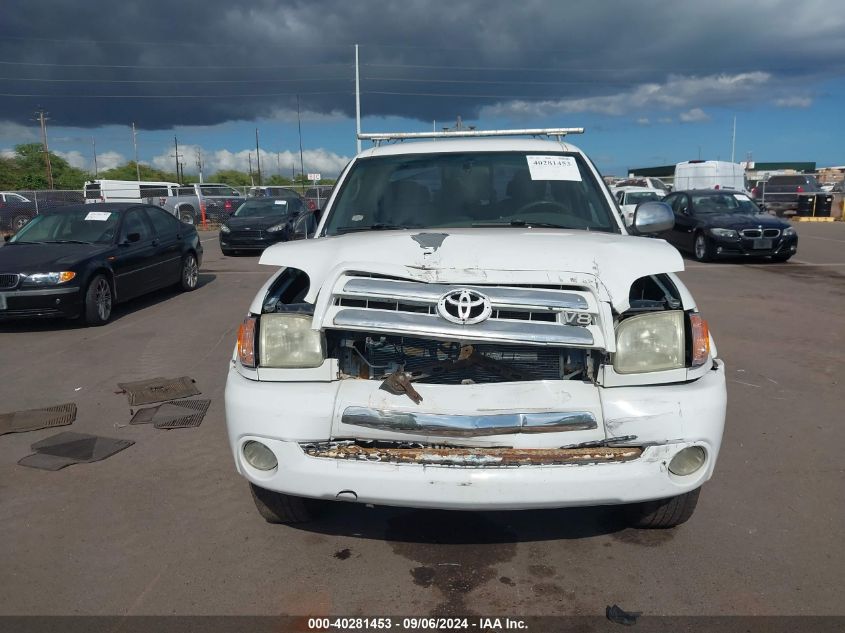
x,y
253,234
771,232
9,281
755,233
513,314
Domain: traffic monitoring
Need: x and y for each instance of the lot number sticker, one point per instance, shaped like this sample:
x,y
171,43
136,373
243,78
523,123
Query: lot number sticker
x,y
742,197
99,216
553,168
284,202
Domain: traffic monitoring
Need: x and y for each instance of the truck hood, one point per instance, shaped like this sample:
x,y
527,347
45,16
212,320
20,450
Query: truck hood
x,y
607,262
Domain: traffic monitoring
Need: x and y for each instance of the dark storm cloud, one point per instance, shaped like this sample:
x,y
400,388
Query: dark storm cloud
x,y
528,57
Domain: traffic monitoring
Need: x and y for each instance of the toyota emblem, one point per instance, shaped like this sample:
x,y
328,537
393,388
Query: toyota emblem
x,y
464,306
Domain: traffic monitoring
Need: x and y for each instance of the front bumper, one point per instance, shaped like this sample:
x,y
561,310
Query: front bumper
x,y
665,419
744,247
41,303
249,242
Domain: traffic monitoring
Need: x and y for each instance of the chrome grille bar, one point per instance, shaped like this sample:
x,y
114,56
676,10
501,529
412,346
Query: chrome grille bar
x,y
532,332
430,293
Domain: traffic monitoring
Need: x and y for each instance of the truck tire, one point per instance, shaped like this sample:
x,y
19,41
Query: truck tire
x,y
277,507
664,513
186,214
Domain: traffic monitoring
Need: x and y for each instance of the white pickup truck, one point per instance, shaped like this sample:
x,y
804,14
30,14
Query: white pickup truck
x,y
473,327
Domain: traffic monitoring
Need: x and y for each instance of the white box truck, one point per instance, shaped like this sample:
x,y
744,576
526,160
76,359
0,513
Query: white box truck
x,y
709,174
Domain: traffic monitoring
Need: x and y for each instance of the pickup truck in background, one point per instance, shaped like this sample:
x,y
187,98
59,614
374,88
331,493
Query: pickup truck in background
x,y
219,201
794,194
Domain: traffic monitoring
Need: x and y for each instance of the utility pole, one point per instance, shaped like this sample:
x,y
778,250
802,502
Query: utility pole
x,y
176,157
42,118
199,162
299,123
94,146
251,179
257,158
135,145
733,141
357,103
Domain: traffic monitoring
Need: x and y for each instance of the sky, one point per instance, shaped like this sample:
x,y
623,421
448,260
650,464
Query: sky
x,y
654,82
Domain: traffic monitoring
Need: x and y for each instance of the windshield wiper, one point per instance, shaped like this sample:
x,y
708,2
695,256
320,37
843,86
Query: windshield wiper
x,y
378,226
66,242
23,242
525,223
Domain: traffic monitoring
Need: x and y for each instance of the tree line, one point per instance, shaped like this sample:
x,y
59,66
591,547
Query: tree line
x,y
26,170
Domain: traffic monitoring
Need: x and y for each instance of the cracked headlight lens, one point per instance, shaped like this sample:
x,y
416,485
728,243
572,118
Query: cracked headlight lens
x,y
287,341
650,342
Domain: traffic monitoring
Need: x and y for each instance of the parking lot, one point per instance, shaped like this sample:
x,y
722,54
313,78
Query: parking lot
x,y
168,527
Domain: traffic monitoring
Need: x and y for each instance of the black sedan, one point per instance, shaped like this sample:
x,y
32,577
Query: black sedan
x,y
79,260
260,222
713,223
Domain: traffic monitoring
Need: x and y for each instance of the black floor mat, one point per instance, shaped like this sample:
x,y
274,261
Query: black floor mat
x,y
64,449
34,419
159,389
179,414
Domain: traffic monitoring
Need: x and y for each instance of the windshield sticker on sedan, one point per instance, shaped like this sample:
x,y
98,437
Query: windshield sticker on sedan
x,y
284,202
553,168
99,216
742,196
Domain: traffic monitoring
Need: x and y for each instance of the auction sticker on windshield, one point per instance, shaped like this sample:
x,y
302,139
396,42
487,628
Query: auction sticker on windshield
x,y
553,168
99,216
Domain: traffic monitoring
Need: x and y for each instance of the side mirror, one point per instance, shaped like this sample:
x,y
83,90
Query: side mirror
x,y
7,237
652,217
133,237
303,226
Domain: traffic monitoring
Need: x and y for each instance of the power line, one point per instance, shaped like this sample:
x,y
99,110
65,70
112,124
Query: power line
x,y
192,67
174,96
171,81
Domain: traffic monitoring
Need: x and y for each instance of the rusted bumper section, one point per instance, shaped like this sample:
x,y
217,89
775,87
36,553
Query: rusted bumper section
x,y
472,457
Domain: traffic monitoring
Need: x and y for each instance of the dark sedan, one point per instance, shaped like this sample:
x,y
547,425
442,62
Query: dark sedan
x,y
79,260
713,223
260,222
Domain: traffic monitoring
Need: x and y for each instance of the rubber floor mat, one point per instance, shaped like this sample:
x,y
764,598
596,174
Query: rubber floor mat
x,y
64,449
159,389
179,414
34,419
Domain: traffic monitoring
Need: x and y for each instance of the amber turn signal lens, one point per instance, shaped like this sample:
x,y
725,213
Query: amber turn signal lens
x,y
66,276
700,340
246,342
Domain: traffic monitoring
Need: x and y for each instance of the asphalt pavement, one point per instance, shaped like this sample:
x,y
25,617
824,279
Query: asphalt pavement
x,y
168,527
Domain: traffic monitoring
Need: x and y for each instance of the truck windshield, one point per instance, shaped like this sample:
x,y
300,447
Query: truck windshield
x,y
470,189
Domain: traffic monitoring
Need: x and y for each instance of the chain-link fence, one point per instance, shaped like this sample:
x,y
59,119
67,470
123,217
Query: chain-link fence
x,y
19,207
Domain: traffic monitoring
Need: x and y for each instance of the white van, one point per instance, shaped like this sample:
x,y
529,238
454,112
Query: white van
x,y
127,190
709,174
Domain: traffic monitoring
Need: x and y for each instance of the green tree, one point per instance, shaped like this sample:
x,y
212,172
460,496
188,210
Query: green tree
x,y
127,171
27,170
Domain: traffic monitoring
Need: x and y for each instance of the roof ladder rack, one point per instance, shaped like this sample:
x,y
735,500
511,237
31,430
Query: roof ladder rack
x,y
556,132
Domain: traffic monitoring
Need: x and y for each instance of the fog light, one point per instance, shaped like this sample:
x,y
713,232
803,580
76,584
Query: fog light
x,y
687,461
259,456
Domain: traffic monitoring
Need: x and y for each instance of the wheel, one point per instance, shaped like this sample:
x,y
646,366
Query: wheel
x,y
190,273
186,214
277,507
664,513
18,222
702,249
781,258
98,301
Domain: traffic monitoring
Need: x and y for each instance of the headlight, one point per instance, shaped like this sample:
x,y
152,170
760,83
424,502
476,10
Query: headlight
x,y
287,340
725,233
650,342
276,227
225,229
47,279
789,231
